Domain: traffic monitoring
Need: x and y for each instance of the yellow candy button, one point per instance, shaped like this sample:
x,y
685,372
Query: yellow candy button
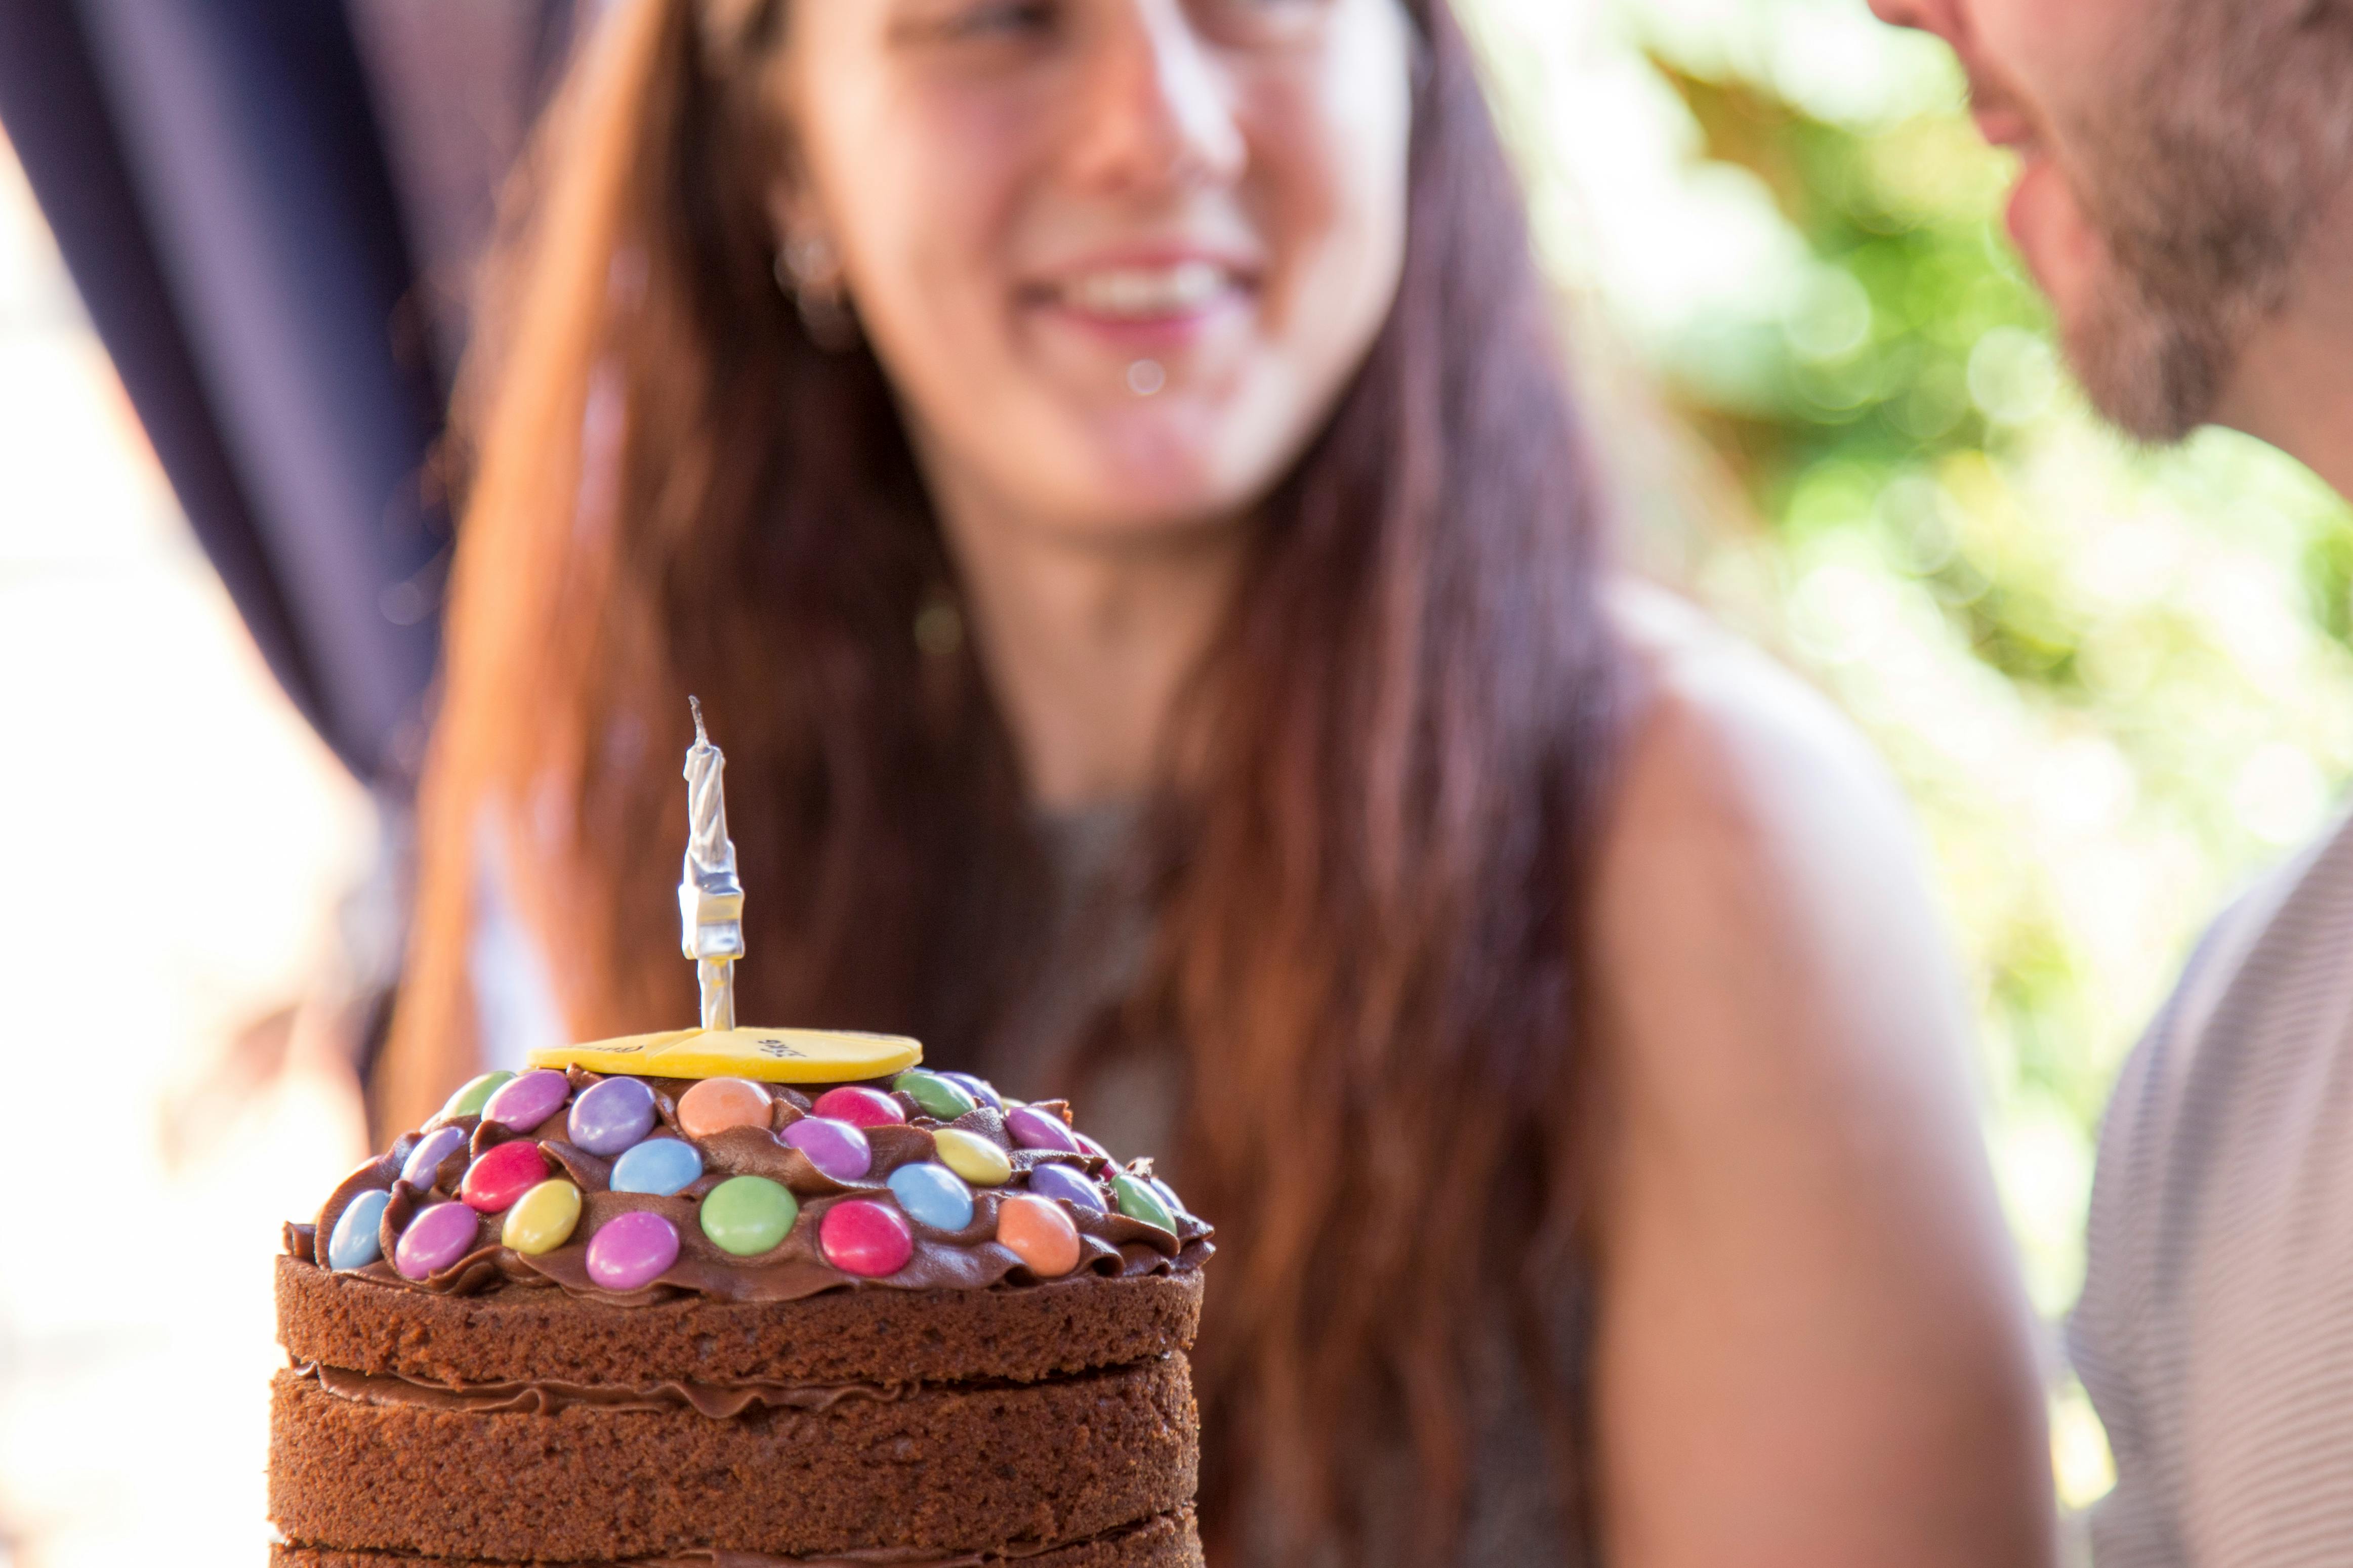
x,y
543,1219
973,1157
769,1055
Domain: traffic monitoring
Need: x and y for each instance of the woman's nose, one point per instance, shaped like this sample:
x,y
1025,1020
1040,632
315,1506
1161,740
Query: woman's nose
x,y
1156,105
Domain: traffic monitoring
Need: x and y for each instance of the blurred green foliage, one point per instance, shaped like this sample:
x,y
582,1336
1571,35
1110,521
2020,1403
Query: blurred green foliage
x,y
2116,682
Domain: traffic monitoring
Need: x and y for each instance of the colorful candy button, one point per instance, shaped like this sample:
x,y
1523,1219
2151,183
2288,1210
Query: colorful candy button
x,y
980,1088
435,1239
357,1241
973,1157
630,1251
471,1096
1071,1186
745,1215
932,1195
496,1179
768,1055
718,1103
611,1116
522,1103
425,1159
1139,1202
860,1106
1167,1194
836,1147
942,1098
662,1166
543,1218
865,1239
1040,1233
1034,1129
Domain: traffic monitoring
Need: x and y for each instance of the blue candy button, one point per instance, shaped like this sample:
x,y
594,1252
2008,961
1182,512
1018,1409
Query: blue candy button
x,y
662,1166
932,1195
357,1241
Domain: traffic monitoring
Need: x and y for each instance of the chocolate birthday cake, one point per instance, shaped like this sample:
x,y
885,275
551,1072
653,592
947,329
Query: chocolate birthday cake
x,y
733,1298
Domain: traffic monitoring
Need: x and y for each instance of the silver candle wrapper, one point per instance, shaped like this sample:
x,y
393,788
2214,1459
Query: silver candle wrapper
x,y
710,899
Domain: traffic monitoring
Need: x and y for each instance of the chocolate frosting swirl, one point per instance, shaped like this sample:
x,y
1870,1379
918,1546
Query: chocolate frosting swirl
x,y
1111,1245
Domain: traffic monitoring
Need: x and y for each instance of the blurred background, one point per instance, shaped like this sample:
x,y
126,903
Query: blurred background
x,y
2114,683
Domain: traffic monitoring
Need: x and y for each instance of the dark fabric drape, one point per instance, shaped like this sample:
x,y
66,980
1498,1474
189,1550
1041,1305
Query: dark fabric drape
x,y
213,175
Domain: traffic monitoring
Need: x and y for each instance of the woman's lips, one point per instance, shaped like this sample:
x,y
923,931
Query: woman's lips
x,y
1139,306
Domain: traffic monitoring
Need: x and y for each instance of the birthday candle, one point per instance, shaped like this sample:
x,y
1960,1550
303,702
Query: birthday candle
x,y
710,899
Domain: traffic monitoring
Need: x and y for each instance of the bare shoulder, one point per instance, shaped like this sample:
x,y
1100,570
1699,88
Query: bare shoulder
x,y
1764,931
1751,819
1791,1201
1727,743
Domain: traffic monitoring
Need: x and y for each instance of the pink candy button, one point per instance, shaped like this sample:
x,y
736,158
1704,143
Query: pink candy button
x,y
631,1252
1033,1129
435,1239
834,1147
496,1180
522,1103
859,1107
865,1239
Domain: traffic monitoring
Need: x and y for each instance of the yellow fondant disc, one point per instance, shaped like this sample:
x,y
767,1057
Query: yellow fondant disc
x,y
770,1055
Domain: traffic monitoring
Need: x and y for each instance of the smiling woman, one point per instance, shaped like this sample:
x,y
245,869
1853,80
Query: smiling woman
x,y
1106,466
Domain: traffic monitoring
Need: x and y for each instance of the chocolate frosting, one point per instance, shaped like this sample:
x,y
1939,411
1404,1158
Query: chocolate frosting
x,y
1111,1245
547,1396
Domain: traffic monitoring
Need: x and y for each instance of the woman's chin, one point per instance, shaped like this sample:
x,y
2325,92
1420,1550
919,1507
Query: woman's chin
x,y
1169,468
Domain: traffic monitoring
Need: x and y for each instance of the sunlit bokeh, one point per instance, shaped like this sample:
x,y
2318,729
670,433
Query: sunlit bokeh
x,y
2115,683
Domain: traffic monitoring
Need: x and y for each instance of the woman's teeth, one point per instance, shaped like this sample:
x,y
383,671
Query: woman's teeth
x,y
1143,293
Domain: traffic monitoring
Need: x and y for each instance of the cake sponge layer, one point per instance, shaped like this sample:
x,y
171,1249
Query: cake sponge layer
x,y
1168,1540
872,1336
949,1470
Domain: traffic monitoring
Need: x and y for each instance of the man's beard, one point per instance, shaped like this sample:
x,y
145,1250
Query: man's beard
x,y
2204,176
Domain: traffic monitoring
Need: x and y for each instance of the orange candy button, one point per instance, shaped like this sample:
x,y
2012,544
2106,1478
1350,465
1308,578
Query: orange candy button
x,y
718,1103
1040,1233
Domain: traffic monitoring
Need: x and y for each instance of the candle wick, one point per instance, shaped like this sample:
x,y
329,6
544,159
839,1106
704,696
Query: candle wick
x,y
695,703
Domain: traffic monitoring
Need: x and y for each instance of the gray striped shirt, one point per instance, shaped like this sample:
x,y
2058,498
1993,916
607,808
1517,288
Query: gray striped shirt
x,y
2215,1334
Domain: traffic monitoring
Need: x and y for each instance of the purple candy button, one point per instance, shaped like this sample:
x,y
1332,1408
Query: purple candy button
x,y
629,1253
980,1088
426,1158
522,1103
1033,1129
612,1116
435,1239
1062,1181
836,1147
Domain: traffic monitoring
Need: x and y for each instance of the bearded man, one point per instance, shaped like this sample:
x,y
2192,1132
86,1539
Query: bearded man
x,y
2186,199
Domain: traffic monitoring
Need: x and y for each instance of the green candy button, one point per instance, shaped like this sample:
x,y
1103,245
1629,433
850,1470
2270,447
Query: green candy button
x,y
477,1092
939,1098
745,1215
1139,1202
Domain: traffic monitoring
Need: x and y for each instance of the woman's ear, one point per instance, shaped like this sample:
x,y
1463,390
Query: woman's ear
x,y
809,266
809,258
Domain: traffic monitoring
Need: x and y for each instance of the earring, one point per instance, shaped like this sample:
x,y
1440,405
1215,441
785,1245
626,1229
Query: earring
x,y
809,272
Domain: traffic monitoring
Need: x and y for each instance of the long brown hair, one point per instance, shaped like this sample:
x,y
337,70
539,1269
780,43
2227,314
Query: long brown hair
x,y
1368,856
